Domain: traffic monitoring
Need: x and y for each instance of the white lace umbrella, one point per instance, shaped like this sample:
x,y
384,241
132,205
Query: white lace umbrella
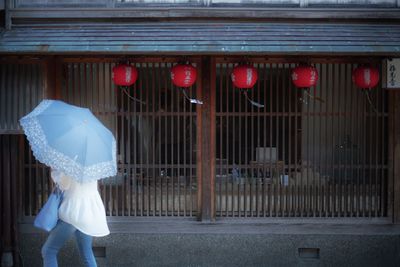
x,y
71,139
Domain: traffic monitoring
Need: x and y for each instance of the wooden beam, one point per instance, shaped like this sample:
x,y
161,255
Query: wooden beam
x,y
206,139
237,13
131,59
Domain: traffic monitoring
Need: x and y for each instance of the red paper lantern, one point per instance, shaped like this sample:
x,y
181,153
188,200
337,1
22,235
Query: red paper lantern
x,y
244,76
365,77
124,75
183,75
304,76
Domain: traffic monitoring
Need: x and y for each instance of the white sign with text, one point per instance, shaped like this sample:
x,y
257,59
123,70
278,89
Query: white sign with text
x,y
393,73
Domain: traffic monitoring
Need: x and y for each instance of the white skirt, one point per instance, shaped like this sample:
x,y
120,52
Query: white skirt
x,y
82,207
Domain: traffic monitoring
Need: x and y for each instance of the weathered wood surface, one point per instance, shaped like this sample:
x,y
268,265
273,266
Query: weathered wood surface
x,y
208,3
50,10
25,81
48,13
203,37
206,140
394,185
9,191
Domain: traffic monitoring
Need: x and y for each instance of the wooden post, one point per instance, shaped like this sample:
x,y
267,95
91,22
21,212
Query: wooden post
x,y
394,157
16,192
5,178
206,140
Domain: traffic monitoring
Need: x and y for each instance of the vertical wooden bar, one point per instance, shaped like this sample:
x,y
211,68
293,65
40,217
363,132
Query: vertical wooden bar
x,y
219,211
161,161
383,173
172,168
289,195
358,126
320,168
305,185
353,163
263,143
296,151
283,134
3,92
394,157
347,119
121,120
272,72
363,163
192,145
178,169
242,191
258,195
147,110
324,79
154,83
184,156
229,211
206,138
340,138
375,203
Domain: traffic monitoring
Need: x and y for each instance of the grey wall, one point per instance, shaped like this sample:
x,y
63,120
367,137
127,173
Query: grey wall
x,y
208,250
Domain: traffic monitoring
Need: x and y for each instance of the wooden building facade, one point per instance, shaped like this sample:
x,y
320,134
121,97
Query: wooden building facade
x,y
325,156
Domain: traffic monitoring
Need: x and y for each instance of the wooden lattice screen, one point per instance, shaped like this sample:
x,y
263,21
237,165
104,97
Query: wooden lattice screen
x,y
156,138
317,155
297,157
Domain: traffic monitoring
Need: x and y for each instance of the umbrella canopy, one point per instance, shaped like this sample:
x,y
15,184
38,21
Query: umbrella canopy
x,y
71,139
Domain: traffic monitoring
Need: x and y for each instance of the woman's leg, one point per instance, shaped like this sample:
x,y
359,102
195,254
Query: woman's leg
x,y
85,248
58,236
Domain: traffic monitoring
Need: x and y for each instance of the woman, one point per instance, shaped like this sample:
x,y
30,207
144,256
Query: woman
x,y
82,214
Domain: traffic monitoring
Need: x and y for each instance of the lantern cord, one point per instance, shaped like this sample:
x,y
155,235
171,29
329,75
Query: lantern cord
x,y
370,102
314,97
192,100
132,98
251,101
